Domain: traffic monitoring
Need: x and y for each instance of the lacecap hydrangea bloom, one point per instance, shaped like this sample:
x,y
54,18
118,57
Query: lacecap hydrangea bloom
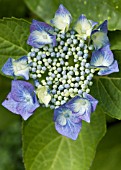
x,y
62,63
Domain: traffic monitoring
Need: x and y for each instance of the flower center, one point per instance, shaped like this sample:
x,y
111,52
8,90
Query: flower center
x,y
28,98
63,69
67,113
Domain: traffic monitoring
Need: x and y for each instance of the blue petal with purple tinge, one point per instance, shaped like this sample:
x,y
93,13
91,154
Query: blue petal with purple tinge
x,y
22,99
41,26
99,36
62,19
84,26
21,89
67,123
71,130
7,68
38,39
103,27
92,100
108,70
102,57
41,34
10,104
104,60
80,107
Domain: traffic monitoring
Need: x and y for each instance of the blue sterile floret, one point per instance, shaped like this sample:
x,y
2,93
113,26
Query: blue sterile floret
x,y
104,60
41,34
15,68
66,123
69,116
21,99
99,36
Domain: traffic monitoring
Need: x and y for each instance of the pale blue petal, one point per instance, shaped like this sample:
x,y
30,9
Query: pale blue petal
x,y
79,105
102,57
82,107
108,56
24,109
99,36
7,69
24,92
41,34
86,116
71,130
75,118
111,69
39,38
62,19
66,123
104,60
16,107
21,89
26,115
10,104
21,67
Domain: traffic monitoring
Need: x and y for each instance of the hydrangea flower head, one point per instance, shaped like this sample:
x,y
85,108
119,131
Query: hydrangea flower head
x,y
62,63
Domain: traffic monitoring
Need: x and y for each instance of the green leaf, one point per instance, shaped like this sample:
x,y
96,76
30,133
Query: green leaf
x,y
107,89
108,155
102,10
14,8
13,36
115,40
6,117
44,148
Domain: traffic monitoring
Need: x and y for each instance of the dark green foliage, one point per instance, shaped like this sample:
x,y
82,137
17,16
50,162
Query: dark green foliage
x,y
109,150
10,8
10,148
